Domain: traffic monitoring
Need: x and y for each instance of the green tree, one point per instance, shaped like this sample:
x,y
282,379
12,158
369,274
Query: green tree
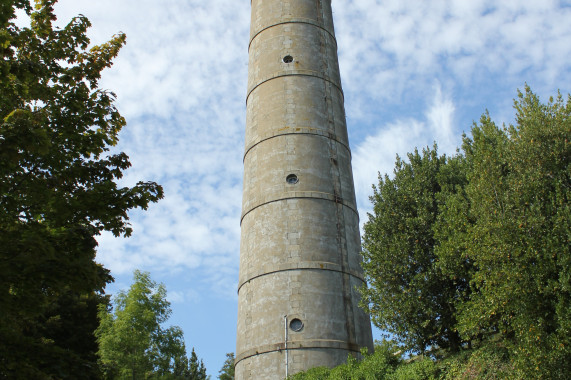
x,y
196,369
227,370
408,294
132,340
476,248
381,365
57,191
519,185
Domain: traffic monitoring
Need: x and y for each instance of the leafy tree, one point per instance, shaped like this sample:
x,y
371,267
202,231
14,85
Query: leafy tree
x,y
489,361
380,365
519,188
422,369
196,369
227,370
133,342
475,248
57,191
408,294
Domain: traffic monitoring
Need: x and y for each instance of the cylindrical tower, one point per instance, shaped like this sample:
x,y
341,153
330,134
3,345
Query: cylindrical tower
x,y
300,245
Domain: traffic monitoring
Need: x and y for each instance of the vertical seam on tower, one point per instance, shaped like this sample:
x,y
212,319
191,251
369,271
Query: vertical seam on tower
x,y
342,242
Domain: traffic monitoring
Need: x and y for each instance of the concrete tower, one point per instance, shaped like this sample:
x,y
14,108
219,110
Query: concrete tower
x,y
300,244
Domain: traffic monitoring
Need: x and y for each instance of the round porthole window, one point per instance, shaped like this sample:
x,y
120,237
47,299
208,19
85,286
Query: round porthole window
x,y
288,59
296,325
292,179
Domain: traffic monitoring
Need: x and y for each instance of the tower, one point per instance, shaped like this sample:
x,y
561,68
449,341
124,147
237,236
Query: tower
x,y
300,244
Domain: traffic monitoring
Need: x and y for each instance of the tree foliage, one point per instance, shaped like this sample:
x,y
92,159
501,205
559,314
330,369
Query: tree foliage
x,y
58,191
387,363
381,365
519,184
475,247
227,370
133,342
196,369
408,293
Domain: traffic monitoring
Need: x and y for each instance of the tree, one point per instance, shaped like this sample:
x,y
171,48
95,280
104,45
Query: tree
x,y
58,191
133,342
408,294
381,365
519,186
196,369
227,370
475,248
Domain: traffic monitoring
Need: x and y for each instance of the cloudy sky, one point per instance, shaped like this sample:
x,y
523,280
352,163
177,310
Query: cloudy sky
x,y
413,72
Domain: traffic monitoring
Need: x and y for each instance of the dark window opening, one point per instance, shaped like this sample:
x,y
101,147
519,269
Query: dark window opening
x,y
292,179
296,325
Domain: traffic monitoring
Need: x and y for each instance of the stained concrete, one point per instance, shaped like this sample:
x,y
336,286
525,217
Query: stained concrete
x,y
300,244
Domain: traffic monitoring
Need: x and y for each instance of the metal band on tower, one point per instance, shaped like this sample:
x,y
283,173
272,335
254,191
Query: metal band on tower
x,y
300,244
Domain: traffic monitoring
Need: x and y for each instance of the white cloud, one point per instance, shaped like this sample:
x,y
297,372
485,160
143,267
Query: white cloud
x,y
377,153
412,71
181,297
388,46
180,82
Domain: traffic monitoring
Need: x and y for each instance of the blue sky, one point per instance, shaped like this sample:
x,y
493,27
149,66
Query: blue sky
x,y
413,72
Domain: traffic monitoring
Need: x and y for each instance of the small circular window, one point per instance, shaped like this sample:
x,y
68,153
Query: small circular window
x,y
292,179
288,59
296,325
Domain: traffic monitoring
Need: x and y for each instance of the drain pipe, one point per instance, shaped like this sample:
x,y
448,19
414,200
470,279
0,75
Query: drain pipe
x,y
285,345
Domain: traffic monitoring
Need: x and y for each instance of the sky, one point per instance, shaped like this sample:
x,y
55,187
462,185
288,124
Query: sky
x,y
413,72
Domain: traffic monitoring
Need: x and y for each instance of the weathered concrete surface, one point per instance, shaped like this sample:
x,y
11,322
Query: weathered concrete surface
x,y
299,251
